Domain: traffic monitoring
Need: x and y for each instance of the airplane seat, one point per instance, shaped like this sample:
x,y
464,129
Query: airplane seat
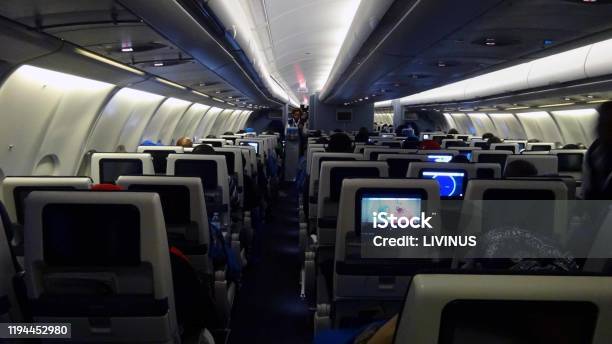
x,y
458,308
213,142
399,163
100,261
212,171
107,167
536,205
491,156
455,143
370,150
10,310
544,147
15,190
545,164
160,154
236,170
570,162
364,277
506,146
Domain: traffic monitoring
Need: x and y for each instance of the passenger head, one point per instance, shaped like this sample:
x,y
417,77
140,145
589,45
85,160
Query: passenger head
x,y
211,136
571,146
411,142
581,145
241,131
604,123
493,139
338,130
452,131
316,133
296,114
228,133
460,159
533,141
362,135
487,136
184,142
520,168
340,143
203,149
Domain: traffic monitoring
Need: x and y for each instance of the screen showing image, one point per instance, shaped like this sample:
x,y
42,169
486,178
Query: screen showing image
x,y
252,144
466,153
426,137
570,162
400,206
521,146
451,182
540,148
111,169
439,157
506,147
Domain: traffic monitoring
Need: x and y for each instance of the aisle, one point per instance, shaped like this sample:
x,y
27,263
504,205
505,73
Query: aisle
x,y
269,309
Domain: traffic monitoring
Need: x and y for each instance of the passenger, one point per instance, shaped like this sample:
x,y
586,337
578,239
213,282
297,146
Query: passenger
x,y
211,136
296,118
460,159
363,135
340,143
571,146
411,142
487,136
452,131
316,133
581,145
493,139
148,143
520,168
597,168
241,131
228,133
533,141
184,142
203,149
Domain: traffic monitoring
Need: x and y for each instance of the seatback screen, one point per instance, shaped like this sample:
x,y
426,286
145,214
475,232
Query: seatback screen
x,y
506,148
493,158
111,169
541,147
452,182
206,170
338,174
20,194
252,144
466,153
439,157
174,200
570,162
91,234
212,143
514,322
399,205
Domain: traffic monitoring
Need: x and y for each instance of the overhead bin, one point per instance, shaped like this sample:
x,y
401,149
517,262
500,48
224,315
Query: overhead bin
x,y
506,80
558,68
599,60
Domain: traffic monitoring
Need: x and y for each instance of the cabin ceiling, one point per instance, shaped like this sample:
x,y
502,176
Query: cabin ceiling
x,y
505,32
302,38
105,27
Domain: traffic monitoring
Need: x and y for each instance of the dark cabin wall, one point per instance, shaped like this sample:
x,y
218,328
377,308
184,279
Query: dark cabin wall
x,y
323,116
260,120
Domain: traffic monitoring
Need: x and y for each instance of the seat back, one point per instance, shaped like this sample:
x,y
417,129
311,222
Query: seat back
x,y
356,276
506,146
540,146
212,171
534,205
159,155
374,153
184,208
100,261
491,156
481,309
213,142
107,167
9,307
235,168
545,164
15,190
570,161
399,163
448,143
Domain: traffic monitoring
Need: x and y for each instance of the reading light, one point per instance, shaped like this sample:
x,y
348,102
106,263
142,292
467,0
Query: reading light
x,y
219,100
170,83
518,108
598,101
490,42
200,94
555,105
109,61
127,49
158,64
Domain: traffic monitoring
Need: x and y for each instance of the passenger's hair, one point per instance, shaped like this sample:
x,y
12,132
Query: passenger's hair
x,y
338,130
429,145
571,146
340,143
241,131
228,133
411,142
604,122
494,139
184,142
316,133
362,135
581,145
211,136
487,136
520,168
203,149
453,131
533,141
460,159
